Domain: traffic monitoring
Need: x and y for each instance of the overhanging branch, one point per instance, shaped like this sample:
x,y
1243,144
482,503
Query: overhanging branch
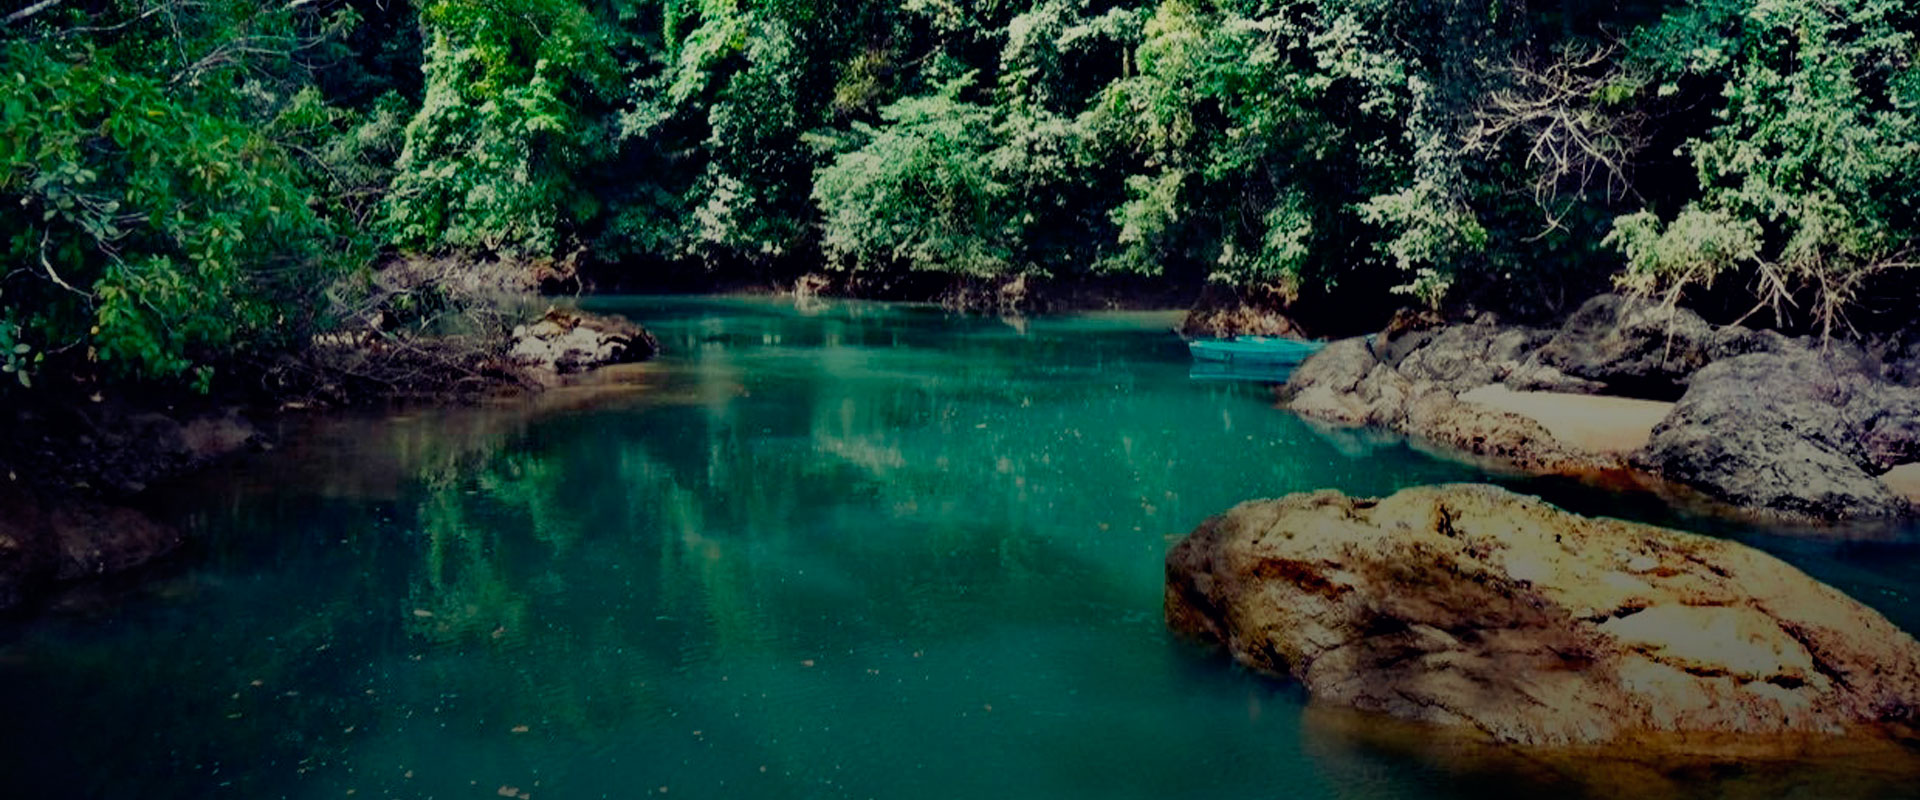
x,y
30,11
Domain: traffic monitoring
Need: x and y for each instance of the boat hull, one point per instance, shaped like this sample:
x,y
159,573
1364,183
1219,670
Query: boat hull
x,y
1249,350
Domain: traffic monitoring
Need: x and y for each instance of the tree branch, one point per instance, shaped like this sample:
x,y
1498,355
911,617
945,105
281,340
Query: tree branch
x,y
30,11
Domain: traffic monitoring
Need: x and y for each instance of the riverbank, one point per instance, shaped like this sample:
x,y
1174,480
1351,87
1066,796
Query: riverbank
x,y
79,456
428,333
1761,425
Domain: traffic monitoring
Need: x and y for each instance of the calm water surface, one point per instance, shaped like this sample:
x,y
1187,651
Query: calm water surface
x,y
850,550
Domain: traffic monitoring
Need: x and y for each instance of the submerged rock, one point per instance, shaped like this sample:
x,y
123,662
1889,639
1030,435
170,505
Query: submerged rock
x,y
78,538
565,342
1475,607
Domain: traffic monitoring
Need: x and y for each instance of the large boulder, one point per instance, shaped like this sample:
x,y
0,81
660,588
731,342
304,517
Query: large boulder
x,y
1475,607
1803,433
1463,357
1347,383
1636,348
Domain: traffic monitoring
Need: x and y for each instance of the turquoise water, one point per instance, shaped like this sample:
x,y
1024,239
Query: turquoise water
x,y
848,550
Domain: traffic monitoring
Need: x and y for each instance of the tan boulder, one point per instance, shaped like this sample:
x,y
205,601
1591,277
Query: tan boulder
x,y
1476,607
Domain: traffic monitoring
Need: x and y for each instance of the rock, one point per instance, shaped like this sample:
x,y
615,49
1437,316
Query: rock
x,y
24,557
1406,332
1464,357
1889,419
1790,430
1347,383
1474,607
565,342
97,539
204,439
1533,376
78,538
1238,319
1640,349
1804,433
1510,440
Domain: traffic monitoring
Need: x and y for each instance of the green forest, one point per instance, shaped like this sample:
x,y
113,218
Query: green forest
x,y
191,181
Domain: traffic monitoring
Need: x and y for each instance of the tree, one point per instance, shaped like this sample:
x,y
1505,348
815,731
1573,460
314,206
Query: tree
x,y
167,214
1809,183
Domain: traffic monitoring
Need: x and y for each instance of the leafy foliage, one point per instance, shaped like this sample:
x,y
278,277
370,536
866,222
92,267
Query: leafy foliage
x,y
491,156
192,179
162,204
1808,183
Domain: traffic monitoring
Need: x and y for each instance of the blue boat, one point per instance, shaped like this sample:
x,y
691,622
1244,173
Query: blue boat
x,y
1254,350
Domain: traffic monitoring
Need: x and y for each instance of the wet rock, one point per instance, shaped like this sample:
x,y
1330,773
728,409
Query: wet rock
x,y
1346,382
1803,433
565,342
1350,382
98,539
206,438
23,554
1474,607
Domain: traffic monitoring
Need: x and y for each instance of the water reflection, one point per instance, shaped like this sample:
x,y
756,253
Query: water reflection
x,y
854,549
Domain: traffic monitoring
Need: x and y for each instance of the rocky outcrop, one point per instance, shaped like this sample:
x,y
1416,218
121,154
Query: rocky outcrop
x,y
1805,432
1239,320
1415,389
1634,348
1474,607
68,471
1221,312
564,342
116,448
1787,429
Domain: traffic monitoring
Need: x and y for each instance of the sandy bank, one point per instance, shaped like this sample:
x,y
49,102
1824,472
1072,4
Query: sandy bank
x,y
1595,423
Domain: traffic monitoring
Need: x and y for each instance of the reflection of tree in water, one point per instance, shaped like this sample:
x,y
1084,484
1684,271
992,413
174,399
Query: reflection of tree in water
x,y
684,536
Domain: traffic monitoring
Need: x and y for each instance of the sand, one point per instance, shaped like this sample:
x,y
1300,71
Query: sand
x,y
1594,423
1904,480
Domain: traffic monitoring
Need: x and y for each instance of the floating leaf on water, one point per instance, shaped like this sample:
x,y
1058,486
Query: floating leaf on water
x,y
520,729
422,613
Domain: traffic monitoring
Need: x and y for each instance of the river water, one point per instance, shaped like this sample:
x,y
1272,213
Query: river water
x,y
835,550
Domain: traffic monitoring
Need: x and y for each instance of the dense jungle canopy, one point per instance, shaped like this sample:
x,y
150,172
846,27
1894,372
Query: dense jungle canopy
x,y
190,179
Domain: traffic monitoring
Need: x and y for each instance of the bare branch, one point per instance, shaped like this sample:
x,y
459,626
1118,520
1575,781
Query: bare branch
x,y
1572,141
29,11
55,276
